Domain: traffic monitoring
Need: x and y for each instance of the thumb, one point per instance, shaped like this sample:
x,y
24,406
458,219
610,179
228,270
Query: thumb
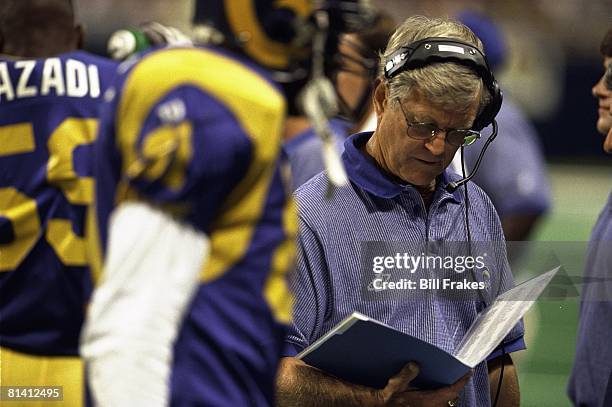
x,y
401,381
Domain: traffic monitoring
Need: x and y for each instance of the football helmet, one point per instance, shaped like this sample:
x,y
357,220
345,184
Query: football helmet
x,y
280,34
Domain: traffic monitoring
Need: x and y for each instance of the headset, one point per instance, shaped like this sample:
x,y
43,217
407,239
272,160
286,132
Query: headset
x,y
436,49
440,50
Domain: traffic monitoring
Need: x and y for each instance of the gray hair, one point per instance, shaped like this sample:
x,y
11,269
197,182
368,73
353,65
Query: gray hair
x,y
449,85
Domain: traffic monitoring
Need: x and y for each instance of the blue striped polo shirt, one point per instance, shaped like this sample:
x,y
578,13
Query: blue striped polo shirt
x,y
333,228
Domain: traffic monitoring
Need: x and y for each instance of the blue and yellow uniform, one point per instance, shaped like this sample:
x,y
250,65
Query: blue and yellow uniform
x,y
197,132
48,121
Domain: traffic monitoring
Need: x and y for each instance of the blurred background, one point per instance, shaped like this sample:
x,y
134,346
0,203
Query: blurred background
x,y
553,63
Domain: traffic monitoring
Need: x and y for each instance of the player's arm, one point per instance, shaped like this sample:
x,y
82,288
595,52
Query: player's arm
x,y
152,260
301,385
509,393
151,271
181,143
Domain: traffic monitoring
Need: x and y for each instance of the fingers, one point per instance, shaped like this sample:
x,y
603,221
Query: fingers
x,y
399,392
460,384
401,381
447,393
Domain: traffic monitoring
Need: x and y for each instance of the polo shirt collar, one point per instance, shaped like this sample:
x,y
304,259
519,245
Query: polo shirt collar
x,y
366,174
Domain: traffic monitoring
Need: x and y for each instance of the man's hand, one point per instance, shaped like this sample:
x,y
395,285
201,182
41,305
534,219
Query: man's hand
x,y
398,391
301,385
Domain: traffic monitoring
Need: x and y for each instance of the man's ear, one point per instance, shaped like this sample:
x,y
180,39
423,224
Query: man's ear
x,y
380,98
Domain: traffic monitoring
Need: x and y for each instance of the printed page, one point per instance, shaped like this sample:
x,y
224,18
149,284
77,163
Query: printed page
x,y
497,320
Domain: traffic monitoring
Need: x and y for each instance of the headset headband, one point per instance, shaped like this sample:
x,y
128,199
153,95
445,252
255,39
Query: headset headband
x,y
438,49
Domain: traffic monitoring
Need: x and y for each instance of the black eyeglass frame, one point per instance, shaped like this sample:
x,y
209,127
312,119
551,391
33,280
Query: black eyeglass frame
x,y
465,136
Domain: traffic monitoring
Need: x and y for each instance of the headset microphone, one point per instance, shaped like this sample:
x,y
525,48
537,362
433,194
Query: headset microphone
x,y
452,186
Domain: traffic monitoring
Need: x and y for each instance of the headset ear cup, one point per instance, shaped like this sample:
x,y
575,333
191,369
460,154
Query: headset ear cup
x,y
488,114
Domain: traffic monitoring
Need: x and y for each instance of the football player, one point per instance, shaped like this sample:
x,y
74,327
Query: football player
x,y
195,224
353,71
49,94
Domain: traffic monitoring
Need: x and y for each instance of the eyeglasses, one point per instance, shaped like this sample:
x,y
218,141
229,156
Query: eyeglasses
x,y
427,131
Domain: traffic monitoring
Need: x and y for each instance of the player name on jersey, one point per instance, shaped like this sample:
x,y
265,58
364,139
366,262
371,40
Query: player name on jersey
x,y
54,76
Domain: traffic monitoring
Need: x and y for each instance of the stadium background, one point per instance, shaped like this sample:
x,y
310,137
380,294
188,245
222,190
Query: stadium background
x,y
554,62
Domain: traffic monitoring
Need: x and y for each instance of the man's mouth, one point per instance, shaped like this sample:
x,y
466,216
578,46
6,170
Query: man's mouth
x,y
430,162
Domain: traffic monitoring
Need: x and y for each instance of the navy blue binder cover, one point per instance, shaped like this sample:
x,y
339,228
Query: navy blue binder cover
x,y
364,351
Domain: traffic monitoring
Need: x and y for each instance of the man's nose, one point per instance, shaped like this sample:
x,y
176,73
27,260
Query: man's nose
x,y
600,90
437,144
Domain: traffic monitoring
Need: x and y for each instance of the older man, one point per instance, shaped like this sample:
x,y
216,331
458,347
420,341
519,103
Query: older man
x,y
432,99
591,380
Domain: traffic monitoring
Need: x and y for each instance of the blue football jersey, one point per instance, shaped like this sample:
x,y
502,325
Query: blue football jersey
x,y
197,132
48,122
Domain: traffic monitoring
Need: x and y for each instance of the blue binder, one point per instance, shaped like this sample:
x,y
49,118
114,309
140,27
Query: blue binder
x,y
364,351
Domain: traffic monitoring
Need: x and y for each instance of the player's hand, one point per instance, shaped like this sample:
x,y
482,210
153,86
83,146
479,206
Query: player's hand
x,y
159,34
399,392
127,42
